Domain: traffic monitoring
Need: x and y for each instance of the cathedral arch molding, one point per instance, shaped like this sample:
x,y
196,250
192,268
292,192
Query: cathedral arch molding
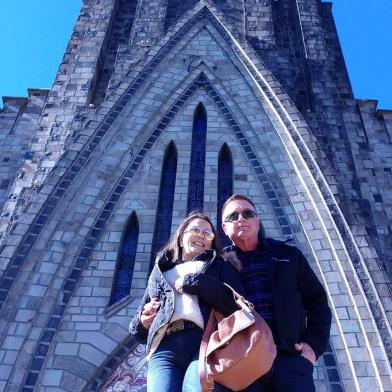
x,y
213,93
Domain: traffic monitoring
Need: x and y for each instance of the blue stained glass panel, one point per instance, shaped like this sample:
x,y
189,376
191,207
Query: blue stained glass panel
x,y
126,260
197,165
164,212
225,187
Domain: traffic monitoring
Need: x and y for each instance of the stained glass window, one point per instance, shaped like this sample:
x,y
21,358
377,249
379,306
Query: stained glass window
x,y
225,186
198,156
130,375
164,213
126,260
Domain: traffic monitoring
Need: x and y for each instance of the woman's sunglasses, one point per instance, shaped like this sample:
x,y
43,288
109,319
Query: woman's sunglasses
x,y
246,214
207,234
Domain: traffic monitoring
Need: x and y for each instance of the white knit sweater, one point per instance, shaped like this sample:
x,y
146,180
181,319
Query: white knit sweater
x,y
186,306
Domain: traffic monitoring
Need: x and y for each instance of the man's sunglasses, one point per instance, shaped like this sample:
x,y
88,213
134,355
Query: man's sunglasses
x,y
246,214
207,234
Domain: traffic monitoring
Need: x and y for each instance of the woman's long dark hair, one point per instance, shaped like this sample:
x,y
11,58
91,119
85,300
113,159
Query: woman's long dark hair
x,y
173,247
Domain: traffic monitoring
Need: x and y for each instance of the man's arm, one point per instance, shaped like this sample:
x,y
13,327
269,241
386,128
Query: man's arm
x,y
212,290
318,313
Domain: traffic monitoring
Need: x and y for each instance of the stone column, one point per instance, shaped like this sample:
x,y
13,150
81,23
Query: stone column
x,y
259,20
72,88
148,27
149,22
234,11
311,29
73,84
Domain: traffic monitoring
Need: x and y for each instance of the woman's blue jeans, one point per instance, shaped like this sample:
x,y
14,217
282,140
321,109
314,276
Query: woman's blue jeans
x,y
173,366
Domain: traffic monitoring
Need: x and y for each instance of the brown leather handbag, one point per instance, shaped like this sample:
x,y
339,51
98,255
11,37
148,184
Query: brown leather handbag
x,y
236,350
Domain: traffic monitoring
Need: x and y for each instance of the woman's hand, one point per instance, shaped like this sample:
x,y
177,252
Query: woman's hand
x,y
178,285
149,312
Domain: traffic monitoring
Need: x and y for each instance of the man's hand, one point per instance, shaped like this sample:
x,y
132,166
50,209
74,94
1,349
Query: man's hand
x,y
149,312
306,351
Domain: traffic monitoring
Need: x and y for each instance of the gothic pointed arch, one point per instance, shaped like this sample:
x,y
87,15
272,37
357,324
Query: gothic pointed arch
x,y
225,186
198,156
126,260
164,211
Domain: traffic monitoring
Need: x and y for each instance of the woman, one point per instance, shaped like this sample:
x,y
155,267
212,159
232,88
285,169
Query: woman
x,y
185,283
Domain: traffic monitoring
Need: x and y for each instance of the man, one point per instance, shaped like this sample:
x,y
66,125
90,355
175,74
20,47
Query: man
x,y
285,291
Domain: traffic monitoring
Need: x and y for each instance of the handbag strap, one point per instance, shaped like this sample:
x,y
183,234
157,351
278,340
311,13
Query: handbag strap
x,y
207,384
241,302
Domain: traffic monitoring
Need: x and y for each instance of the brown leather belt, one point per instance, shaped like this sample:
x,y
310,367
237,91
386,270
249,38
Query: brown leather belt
x,y
179,325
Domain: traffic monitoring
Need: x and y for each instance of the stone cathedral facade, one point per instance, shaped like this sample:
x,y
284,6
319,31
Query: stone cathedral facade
x,y
163,106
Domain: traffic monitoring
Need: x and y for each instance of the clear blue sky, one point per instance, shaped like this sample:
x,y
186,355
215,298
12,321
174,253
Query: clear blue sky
x,y
34,35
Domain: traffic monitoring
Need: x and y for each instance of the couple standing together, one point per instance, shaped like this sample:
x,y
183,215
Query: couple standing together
x,y
187,281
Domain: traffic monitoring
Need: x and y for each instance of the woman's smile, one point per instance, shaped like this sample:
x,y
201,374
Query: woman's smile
x,y
196,238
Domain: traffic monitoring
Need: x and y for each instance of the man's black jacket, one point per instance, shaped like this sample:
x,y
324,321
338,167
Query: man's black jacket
x,y
299,300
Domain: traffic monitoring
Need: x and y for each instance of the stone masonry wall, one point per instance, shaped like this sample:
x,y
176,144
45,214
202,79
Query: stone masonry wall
x,y
360,200
375,154
175,9
18,121
72,88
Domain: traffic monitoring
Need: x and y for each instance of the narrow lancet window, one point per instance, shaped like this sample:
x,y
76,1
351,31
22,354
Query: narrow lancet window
x,y
198,156
125,260
225,186
164,212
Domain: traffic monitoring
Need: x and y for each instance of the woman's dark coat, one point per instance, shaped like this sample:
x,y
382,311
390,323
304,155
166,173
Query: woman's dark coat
x,y
207,285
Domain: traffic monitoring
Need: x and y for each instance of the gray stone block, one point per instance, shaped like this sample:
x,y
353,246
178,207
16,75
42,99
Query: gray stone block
x,y
51,378
73,365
